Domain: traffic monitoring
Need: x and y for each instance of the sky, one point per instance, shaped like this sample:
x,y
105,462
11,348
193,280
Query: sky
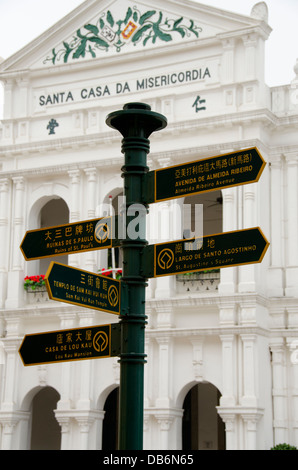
x,y
21,21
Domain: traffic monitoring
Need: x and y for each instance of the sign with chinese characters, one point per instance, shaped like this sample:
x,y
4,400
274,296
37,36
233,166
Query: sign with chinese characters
x,y
214,173
70,238
78,287
71,345
210,252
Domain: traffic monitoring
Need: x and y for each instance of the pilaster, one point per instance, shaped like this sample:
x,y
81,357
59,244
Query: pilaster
x,y
74,216
4,234
292,227
91,174
279,390
228,275
15,290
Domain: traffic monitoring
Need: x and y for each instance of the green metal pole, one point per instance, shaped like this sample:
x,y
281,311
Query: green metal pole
x,y
135,122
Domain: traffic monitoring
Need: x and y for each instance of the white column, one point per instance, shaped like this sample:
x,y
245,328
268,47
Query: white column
x,y
65,424
4,233
292,227
11,346
230,420
247,272
250,430
90,256
165,372
292,344
91,191
23,85
197,358
18,223
8,99
249,370
275,281
279,391
165,421
229,377
249,70
74,215
8,427
85,422
228,275
227,66
15,290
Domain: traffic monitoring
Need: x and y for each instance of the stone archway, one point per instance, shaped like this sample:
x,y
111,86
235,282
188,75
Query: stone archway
x,y
45,430
110,422
202,427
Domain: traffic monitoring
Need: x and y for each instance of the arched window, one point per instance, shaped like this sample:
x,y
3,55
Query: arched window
x,y
110,422
202,427
45,430
54,212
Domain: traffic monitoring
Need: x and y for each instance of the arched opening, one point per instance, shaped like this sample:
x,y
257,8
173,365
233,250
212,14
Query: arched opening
x,y
110,422
45,430
202,427
55,212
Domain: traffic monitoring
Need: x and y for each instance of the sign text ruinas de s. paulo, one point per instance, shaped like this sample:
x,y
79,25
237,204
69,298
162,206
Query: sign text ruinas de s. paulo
x,y
210,174
71,238
70,345
84,288
209,252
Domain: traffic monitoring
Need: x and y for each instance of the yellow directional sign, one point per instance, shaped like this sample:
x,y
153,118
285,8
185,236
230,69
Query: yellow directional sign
x,y
71,345
78,287
209,252
66,239
201,176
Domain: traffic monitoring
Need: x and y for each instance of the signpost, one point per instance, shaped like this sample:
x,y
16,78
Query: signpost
x,y
136,122
210,252
71,345
66,239
84,288
210,174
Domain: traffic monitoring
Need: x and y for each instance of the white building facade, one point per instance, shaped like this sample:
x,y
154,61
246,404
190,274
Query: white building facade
x,y
222,369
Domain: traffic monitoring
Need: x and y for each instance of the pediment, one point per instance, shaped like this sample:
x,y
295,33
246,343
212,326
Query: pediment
x,y
99,29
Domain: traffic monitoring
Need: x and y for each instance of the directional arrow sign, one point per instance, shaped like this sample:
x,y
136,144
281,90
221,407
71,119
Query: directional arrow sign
x,y
70,238
223,171
210,252
78,287
71,345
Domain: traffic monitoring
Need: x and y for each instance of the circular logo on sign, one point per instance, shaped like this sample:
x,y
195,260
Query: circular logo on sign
x,y
165,258
113,296
100,341
102,232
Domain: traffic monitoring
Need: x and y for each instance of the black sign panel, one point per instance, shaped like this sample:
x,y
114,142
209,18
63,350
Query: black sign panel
x,y
78,287
71,345
214,173
209,252
70,238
